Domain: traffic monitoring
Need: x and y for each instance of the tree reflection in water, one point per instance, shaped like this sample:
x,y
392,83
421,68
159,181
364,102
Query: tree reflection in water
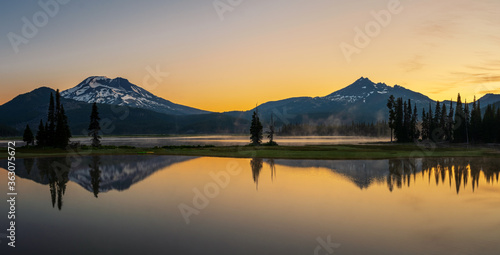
x,y
458,170
56,171
95,174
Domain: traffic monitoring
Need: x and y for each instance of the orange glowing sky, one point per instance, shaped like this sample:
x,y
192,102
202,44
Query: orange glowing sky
x,y
263,50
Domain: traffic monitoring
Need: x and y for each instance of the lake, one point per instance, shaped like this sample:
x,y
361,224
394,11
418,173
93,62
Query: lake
x,y
198,205
222,140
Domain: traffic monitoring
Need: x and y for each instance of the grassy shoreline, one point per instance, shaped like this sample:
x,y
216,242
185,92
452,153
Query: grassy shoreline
x,y
365,151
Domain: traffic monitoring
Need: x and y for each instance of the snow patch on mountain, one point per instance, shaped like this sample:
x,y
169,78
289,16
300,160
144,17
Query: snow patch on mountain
x,y
360,90
119,91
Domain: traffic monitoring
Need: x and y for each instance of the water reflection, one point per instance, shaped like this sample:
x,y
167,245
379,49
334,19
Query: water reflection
x,y
455,172
100,174
273,168
256,165
458,173
56,172
349,200
97,174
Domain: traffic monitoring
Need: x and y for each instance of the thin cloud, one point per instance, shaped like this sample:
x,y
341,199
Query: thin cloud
x,y
413,64
438,28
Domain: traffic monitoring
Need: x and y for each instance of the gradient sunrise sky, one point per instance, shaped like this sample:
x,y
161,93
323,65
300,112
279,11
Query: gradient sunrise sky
x,y
262,50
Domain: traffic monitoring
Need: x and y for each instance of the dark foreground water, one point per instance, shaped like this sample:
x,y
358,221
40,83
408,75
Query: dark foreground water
x,y
188,205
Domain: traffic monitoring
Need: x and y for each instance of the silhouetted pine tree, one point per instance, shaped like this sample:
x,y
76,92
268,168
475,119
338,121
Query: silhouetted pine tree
x,y
41,135
498,126
406,122
425,125
432,124
438,133
399,121
50,126
467,121
392,113
28,136
414,124
450,127
489,125
475,122
58,104
256,129
459,134
94,126
443,123
62,133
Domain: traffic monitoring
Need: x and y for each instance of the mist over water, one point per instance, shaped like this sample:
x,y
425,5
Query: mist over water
x,y
222,140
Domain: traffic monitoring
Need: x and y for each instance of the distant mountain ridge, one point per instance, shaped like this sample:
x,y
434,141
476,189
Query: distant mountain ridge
x,y
30,108
120,91
133,110
362,101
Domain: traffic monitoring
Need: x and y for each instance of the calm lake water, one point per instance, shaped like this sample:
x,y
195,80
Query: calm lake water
x,y
198,205
223,140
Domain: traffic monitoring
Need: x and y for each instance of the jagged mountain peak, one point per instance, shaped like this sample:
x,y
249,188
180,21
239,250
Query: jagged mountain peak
x,y
119,91
360,90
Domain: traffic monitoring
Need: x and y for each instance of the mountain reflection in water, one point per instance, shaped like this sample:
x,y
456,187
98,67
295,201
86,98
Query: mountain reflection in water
x,y
100,174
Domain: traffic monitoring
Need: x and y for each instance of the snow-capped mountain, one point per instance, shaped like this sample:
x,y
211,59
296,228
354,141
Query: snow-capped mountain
x,y
120,172
363,100
360,90
121,92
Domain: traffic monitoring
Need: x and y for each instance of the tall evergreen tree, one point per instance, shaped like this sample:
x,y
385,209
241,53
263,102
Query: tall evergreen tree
x,y
41,135
406,122
62,133
498,125
432,125
58,104
50,127
392,113
459,134
425,126
28,136
443,123
437,122
437,115
488,130
450,128
94,126
414,124
398,121
256,129
475,121
467,121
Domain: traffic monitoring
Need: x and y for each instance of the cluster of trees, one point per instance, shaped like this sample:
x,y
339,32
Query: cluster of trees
x,y
256,131
403,120
487,129
55,132
378,129
459,123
